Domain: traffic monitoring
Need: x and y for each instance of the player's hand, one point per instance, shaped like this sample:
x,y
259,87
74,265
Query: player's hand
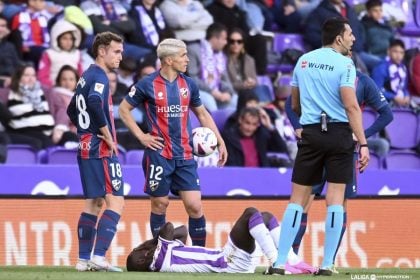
x,y
363,158
265,119
110,142
298,133
222,154
152,142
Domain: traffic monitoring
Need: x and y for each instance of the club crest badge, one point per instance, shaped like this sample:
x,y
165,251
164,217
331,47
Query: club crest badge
x,y
154,185
116,184
183,92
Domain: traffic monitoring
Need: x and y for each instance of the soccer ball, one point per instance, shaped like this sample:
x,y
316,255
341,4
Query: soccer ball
x,y
204,141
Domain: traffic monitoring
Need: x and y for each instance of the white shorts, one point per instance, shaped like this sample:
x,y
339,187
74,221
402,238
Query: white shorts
x,y
238,260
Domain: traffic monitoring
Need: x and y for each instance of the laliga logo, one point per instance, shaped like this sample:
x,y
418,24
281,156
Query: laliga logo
x,y
49,188
160,95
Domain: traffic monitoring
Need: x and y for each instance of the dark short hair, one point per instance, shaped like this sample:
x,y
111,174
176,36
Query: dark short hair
x,y
66,68
331,28
396,42
104,39
252,111
214,30
373,3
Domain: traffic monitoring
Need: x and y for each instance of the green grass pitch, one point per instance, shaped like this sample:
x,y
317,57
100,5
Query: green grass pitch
x,y
65,272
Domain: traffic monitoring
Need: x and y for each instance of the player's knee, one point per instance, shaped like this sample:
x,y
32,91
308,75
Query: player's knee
x,y
194,209
159,205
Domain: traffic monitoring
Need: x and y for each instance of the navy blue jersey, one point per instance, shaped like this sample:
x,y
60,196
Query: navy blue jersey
x,y
368,93
93,83
167,108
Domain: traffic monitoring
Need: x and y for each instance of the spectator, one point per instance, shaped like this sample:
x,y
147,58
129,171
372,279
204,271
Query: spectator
x,y
378,31
125,138
9,59
150,24
187,18
4,137
338,8
207,67
286,16
277,112
228,13
241,68
110,15
32,23
391,75
126,72
249,135
31,121
65,41
414,71
65,85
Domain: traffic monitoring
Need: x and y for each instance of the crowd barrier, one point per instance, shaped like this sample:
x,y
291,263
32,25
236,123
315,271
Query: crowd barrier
x,y
215,182
42,231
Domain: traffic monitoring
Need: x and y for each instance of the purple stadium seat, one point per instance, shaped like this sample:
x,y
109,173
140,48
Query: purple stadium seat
x,y
402,130
21,154
220,117
61,155
194,121
265,80
403,159
134,157
283,41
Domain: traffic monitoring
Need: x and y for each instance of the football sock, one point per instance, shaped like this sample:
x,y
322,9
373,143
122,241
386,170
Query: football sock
x,y
333,228
289,227
156,223
107,227
260,232
300,233
343,230
197,231
86,232
274,228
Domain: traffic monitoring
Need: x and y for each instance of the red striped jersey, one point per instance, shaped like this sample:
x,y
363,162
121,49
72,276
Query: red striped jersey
x,y
167,109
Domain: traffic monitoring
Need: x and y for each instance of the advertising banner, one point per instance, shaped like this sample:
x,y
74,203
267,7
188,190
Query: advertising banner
x,y
64,180
380,232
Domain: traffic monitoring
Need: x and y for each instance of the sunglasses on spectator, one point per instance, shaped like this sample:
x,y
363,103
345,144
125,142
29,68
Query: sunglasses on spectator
x,y
239,42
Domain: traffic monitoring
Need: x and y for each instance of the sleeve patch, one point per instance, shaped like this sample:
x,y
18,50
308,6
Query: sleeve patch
x,y
99,88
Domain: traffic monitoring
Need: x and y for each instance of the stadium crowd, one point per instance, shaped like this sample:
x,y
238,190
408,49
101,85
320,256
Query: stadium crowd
x,y
46,45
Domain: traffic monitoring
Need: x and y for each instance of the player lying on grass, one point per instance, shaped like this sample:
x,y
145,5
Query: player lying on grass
x,y
168,252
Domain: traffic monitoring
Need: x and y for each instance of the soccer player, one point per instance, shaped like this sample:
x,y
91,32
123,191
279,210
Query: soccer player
x,y
323,96
367,93
100,172
168,252
168,163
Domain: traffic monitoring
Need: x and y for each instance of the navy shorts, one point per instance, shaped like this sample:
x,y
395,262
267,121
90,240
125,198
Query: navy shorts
x,y
163,175
331,150
101,176
351,188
